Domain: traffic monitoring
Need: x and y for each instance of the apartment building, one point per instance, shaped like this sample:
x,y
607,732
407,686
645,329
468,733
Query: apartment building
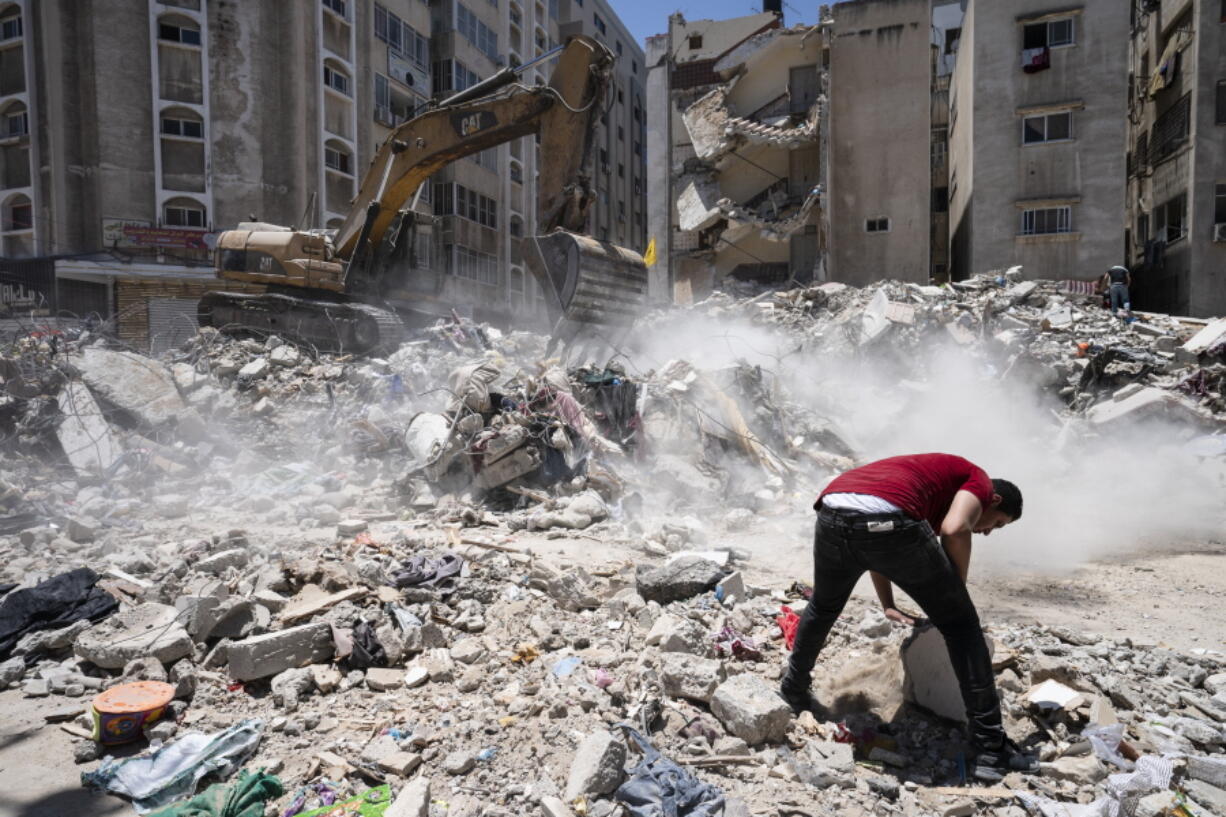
x,y
1037,126
881,174
1176,202
734,190
132,132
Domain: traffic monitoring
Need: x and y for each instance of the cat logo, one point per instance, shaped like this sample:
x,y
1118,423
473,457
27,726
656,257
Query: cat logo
x,y
467,124
265,263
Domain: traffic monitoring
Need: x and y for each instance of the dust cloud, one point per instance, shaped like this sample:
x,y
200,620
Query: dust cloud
x,y
1090,493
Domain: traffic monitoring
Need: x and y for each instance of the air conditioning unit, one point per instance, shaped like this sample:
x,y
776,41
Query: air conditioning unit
x,y
1219,232
383,115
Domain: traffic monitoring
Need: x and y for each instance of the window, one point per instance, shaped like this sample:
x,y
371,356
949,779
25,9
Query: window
x,y
1052,127
694,41
487,158
388,27
599,23
619,48
877,225
337,160
1142,229
336,80
1047,220
621,133
15,124
517,173
621,97
1219,204
940,147
10,28
940,199
337,6
19,215
476,32
621,170
1170,219
174,126
476,266
458,200
638,148
184,216
1048,34
178,34
1220,102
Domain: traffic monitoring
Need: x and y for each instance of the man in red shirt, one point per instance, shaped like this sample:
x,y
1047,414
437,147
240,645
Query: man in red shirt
x,y
884,517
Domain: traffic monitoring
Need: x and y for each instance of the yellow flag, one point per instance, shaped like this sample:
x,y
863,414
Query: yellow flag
x,y
649,257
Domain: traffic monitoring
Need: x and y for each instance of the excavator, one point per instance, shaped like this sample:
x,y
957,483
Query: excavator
x,y
344,290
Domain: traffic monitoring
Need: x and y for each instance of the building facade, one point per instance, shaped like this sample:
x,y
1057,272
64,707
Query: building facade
x,y
881,176
734,184
132,133
1176,202
1038,113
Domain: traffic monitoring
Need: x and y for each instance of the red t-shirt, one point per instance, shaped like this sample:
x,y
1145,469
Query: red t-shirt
x,y
923,485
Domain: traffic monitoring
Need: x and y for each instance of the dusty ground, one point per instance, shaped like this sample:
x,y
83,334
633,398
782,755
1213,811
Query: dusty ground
x,y
1176,598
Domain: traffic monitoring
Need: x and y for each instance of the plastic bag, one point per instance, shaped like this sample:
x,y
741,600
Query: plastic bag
x,y
1105,741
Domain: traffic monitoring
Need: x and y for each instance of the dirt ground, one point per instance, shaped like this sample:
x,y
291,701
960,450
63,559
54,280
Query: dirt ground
x,y
1176,598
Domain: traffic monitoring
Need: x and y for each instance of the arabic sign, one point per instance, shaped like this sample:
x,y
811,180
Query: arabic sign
x,y
27,288
118,232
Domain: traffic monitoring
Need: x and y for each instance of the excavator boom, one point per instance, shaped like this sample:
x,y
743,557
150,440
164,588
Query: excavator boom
x,y
586,281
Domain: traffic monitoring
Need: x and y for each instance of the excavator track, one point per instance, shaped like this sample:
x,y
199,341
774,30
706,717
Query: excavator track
x,y
329,326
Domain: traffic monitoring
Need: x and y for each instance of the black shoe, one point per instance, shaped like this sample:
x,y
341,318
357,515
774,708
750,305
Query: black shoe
x,y
992,765
800,699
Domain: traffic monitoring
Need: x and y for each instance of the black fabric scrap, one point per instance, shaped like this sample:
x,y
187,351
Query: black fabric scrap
x,y
57,602
658,787
420,571
367,651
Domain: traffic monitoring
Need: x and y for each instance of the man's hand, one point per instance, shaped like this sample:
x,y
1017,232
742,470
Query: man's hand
x,y
899,617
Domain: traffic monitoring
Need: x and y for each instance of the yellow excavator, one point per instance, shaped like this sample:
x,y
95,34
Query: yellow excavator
x,y
341,292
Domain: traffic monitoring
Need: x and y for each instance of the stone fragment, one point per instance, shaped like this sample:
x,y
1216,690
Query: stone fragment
x,y
350,527
284,355
146,630
687,636
415,676
254,370
874,624
400,763
413,800
661,629
1155,805
82,530
1215,684
83,432
383,679
271,653
597,767
468,650
459,762
1082,771
327,677
677,580
290,686
832,755
751,709
138,385
1211,770
553,807
222,561
731,588
929,681
688,676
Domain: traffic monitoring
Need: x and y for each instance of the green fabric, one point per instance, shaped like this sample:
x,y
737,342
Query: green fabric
x,y
243,798
369,804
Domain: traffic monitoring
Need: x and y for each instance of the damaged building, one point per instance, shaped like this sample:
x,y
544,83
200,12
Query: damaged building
x,y
733,135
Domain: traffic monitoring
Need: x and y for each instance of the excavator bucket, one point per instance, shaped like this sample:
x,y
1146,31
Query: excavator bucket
x,y
587,281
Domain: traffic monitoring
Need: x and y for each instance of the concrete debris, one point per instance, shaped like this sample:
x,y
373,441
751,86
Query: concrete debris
x,y
250,505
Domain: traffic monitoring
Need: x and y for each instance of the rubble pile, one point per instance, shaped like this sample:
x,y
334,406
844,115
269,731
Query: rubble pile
x,y
334,565
1056,334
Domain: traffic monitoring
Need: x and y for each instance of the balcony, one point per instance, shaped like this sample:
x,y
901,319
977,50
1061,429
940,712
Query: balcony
x,y
1170,131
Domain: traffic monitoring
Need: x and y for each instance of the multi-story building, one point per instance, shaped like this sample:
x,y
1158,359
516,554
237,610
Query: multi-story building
x,y
946,37
881,70
131,133
1176,202
734,188
1036,137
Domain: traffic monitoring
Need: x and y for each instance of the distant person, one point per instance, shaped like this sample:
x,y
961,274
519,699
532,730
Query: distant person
x,y
884,518
1116,281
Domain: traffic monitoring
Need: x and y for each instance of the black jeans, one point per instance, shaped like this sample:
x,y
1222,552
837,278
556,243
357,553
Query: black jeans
x,y
908,553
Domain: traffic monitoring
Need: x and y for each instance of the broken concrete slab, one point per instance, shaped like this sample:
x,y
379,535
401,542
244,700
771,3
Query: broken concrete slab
x,y
1213,334
146,630
140,386
688,676
413,800
597,767
929,681
84,433
312,599
1146,404
264,655
751,709
678,580
697,204
1211,770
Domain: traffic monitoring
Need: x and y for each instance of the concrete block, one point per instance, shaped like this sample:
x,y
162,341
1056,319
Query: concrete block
x,y
254,370
929,681
382,679
149,630
400,763
84,433
678,580
1211,770
139,385
731,588
687,636
597,767
688,676
553,807
751,709
271,653
220,562
413,800
1213,334
1082,771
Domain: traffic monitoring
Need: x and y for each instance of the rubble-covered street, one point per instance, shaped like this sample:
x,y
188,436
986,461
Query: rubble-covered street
x,y
465,579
